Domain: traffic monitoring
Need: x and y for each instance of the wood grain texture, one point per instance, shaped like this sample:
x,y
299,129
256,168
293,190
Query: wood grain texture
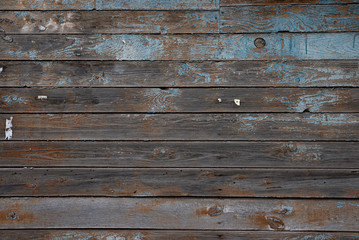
x,y
157,100
174,182
88,22
180,47
171,234
339,127
156,4
279,18
184,213
47,5
181,74
180,154
276,2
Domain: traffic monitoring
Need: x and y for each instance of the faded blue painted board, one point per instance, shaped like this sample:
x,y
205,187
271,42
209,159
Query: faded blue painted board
x,y
316,46
274,2
302,18
47,4
181,47
156,4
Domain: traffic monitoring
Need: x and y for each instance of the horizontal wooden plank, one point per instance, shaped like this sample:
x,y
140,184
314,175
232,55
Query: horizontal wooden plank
x,y
156,4
180,154
88,22
152,213
288,126
152,100
302,18
181,47
171,234
275,2
47,5
183,74
173,182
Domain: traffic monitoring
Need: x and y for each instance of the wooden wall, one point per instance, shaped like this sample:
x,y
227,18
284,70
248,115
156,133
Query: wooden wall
x,y
120,122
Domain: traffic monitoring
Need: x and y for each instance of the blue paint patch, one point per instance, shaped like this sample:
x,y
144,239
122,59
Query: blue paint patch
x,y
64,81
320,236
159,100
346,204
287,210
128,47
13,99
144,194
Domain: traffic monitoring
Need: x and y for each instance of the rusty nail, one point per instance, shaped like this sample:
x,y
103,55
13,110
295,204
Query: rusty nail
x,y
259,42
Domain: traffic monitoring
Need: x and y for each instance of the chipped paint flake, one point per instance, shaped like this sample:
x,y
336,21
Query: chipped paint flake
x,y
8,129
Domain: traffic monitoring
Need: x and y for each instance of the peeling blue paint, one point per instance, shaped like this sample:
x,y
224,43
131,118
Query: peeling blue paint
x,y
320,236
287,210
128,47
346,204
64,81
199,76
13,99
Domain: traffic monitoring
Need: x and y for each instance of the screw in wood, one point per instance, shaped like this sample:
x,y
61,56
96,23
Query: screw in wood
x,y
259,42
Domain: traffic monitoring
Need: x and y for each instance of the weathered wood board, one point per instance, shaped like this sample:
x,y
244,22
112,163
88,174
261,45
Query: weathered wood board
x,y
172,182
282,46
170,234
298,155
89,22
279,18
283,2
154,100
328,73
157,4
182,213
47,5
286,126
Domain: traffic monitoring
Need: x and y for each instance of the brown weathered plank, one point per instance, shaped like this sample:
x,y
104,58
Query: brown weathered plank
x,y
156,4
303,18
47,5
296,46
180,154
174,235
275,2
173,182
88,22
212,214
152,100
182,126
183,74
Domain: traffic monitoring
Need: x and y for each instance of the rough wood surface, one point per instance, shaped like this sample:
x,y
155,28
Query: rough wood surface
x,y
165,182
156,4
47,5
180,154
87,22
152,100
181,74
180,47
184,213
183,126
302,18
275,2
173,235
